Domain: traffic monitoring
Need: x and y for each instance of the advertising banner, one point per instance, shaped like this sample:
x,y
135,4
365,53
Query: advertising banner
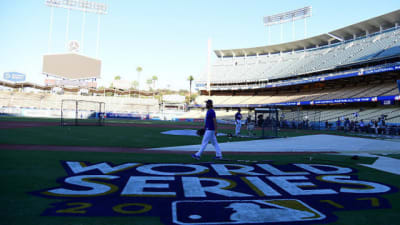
x,y
14,76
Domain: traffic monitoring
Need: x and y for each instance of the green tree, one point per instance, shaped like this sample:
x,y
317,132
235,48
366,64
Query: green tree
x,y
190,79
135,84
111,87
183,92
149,82
139,69
154,80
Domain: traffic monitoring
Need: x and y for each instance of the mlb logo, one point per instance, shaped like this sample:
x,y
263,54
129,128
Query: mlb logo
x,y
243,212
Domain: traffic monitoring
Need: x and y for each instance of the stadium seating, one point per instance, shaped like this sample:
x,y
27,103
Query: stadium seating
x,y
53,101
331,115
289,64
371,90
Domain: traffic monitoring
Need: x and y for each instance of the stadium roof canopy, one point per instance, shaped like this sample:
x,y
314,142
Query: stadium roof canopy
x,y
360,29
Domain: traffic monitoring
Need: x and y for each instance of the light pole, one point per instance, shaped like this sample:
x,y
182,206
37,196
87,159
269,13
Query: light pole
x,y
78,5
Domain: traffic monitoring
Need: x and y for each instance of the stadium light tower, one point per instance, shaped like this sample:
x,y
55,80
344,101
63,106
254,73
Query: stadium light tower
x,y
79,5
209,66
285,17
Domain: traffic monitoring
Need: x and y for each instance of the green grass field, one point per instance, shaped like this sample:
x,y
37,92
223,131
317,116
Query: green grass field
x,y
123,136
23,172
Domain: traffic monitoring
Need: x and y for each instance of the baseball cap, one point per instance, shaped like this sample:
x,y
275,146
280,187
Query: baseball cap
x,y
209,101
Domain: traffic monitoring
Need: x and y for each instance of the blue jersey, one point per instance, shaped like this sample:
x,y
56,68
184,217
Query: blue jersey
x,y
210,120
238,116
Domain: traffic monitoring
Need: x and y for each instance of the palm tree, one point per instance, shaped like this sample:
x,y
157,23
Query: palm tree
x,y
149,83
134,84
112,87
139,70
116,78
154,79
190,79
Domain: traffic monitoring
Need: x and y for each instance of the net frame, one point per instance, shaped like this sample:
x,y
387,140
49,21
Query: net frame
x,y
269,122
95,117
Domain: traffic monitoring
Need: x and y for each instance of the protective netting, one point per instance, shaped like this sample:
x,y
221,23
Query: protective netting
x,y
81,112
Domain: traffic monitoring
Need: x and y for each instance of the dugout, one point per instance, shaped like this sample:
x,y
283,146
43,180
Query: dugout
x,y
268,120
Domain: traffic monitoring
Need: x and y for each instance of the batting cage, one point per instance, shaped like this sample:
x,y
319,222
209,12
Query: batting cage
x,y
268,120
82,113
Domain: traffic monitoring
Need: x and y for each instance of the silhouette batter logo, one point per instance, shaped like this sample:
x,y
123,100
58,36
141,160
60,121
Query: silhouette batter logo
x,y
244,211
214,193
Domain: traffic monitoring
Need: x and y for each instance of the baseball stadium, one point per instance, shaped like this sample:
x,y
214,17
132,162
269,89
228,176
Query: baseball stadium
x,y
309,131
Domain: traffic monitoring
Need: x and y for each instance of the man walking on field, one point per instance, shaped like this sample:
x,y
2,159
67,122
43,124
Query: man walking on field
x,y
210,133
238,122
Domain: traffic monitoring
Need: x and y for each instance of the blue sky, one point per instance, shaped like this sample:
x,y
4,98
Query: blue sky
x,y
168,38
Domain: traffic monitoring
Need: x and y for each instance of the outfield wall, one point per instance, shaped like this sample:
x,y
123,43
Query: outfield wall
x,y
85,114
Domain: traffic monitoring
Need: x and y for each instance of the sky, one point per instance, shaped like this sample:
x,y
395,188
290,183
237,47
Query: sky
x,y
167,38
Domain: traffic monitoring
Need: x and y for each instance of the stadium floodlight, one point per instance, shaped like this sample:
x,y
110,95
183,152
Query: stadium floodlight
x,y
288,16
285,17
80,5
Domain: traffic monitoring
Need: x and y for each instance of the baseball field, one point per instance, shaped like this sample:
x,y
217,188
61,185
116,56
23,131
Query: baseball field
x,y
118,174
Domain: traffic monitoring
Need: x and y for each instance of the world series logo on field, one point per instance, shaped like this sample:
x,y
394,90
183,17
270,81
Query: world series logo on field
x,y
209,193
